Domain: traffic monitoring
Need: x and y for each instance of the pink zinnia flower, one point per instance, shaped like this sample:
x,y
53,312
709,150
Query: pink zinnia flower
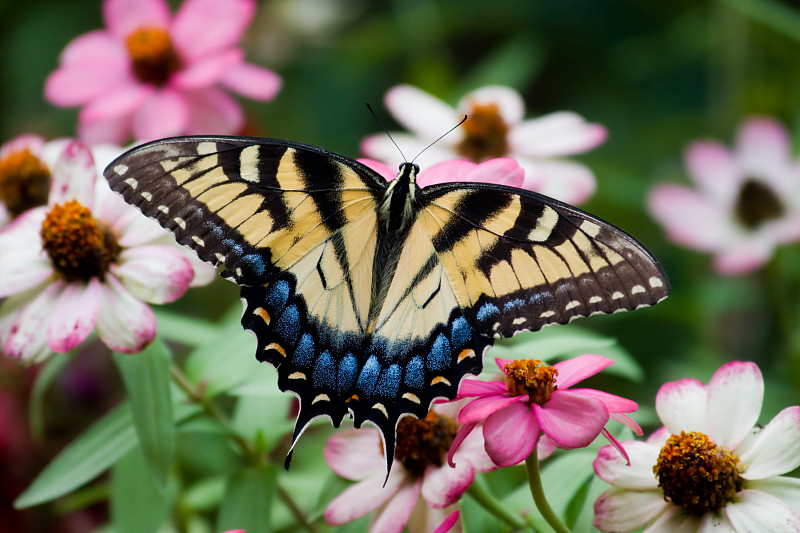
x,y
501,171
536,399
746,201
710,468
496,127
153,75
421,489
85,261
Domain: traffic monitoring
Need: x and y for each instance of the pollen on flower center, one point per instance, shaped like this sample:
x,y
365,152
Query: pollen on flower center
x,y
423,442
153,58
756,204
24,181
79,245
484,134
696,474
531,377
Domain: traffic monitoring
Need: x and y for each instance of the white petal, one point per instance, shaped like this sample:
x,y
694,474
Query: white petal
x,y
610,466
714,523
554,135
23,263
364,497
689,217
712,166
443,486
763,147
674,520
155,274
744,255
752,510
25,318
776,449
786,489
735,393
355,454
74,176
124,324
682,406
567,181
380,147
508,101
624,510
74,315
394,516
421,113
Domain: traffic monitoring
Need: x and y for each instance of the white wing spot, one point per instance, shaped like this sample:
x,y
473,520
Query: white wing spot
x,y
544,225
220,257
637,289
381,408
617,295
320,398
520,320
207,147
248,163
547,314
179,221
411,397
590,228
147,196
132,182
164,209
239,272
656,282
572,305
496,326
198,240
595,300
121,169
297,375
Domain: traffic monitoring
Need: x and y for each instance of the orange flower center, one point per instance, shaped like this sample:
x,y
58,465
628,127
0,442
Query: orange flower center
x,y
531,377
484,134
696,474
153,57
423,442
80,246
24,181
756,204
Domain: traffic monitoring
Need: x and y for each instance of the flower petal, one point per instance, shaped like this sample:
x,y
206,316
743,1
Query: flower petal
x,y
69,86
206,71
676,520
744,256
421,113
571,420
612,468
74,315
461,435
786,489
681,405
252,81
380,147
763,147
365,496
499,171
120,102
712,166
123,17
23,264
735,393
554,135
776,449
395,515
124,324
74,176
614,403
511,434
689,218
384,171
571,371
443,485
448,523
95,48
445,172
623,510
477,410
508,101
156,274
213,111
114,130
201,27
355,454
563,180
476,387
758,511
31,312
164,113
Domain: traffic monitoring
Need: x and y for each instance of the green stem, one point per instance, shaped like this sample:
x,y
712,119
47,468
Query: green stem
x,y
537,491
485,499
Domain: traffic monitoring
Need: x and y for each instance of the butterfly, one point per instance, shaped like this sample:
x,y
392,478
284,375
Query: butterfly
x,y
370,298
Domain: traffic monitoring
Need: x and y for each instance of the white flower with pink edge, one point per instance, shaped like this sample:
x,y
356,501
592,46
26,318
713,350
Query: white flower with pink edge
x,y
496,127
710,468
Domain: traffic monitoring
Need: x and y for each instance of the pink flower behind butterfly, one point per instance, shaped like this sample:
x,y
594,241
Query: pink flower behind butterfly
x,y
500,171
153,75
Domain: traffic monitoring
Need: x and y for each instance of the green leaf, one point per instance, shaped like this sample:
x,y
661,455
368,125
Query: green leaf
x,y
188,330
147,378
264,416
138,504
248,501
44,378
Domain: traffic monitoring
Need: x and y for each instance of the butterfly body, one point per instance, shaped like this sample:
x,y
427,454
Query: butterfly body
x,y
372,298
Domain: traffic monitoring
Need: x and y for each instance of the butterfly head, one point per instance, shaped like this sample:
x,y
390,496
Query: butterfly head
x,y
399,202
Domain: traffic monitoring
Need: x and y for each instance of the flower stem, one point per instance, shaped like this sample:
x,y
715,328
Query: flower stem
x,y
485,499
537,491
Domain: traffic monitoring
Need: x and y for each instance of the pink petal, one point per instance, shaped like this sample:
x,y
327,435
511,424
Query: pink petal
x,y
74,315
500,171
473,450
355,454
76,85
763,146
123,17
511,434
614,403
420,150
735,393
682,406
364,497
445,172
628,422
252,81
545,447
124,324
689,218
422,113
385,172
571,420
554,135
74,176
572,371
163,114
154,274
479,409
753,510
776,448
115,131
476,387
612,468
744,256
623,510
448,522
207,70
617,445
461,435
202,27
567,181
398,510
508,101
33,143
120,102
502,363
443,485
213,111
96,48
712,166
25,339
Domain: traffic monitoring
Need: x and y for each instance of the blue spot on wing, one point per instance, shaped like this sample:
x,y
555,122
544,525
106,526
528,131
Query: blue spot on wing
x,y
460,332
369,375
511,304
486,311
256,264
304,352
348,368
233,246
415,373
390,381
278,294
288,325
540,297
440,356
325,371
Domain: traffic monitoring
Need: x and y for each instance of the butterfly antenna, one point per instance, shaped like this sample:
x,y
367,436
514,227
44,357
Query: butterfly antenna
x,y
440,138
387,132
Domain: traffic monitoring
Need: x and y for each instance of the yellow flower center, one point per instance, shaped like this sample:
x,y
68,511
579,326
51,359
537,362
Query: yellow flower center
x,y
696,474
484,134
531,377
756,204
423,442
24,181
79,245
153,57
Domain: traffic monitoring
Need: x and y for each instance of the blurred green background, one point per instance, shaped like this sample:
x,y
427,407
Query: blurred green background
x,y
657,74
